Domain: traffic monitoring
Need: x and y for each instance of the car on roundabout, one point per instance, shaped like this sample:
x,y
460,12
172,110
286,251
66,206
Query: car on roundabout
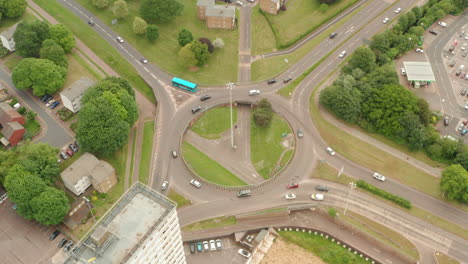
x,y
330,151
290,196
195,183
300,133
254,92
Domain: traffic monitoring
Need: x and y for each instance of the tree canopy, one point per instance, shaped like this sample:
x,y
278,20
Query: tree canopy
x,y
160,11
187,57
263,113
29,37
12,8
50,206
53,52
139,26
62,36
200,51
152,32
40,159
120,9
455,183
100,3
185,37
43,76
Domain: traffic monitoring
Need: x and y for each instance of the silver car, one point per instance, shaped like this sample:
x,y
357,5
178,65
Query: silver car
x,y
378,176
164,185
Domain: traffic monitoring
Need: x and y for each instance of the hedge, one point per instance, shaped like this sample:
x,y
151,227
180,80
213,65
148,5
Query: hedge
x,y
386,195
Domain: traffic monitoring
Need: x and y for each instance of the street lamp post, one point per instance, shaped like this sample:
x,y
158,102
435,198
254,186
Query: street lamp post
x,y
230,84
352,185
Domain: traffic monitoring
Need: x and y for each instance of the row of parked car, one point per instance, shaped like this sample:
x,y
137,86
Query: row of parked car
x,y
49,101
64,243
206,246
70,151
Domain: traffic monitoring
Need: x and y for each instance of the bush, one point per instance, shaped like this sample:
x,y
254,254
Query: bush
x,y
74,126
208,43
21,110
386,195
13,101
65,114
30,115
332,212
3,51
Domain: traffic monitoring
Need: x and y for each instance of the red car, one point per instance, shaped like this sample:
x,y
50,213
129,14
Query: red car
x,y
293,186
69,152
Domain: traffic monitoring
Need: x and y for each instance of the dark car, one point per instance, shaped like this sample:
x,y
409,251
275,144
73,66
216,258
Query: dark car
x,y
73,147
192,247
288,79
205,97
76,143
432,32
464,91
46,97
50,97
332,35
196,109
272,81
68,246
199,246
321,188
446,121
55,104
62,242
458,73
54,235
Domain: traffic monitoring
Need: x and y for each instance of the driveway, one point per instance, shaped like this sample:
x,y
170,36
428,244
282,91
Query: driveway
x,y
55,135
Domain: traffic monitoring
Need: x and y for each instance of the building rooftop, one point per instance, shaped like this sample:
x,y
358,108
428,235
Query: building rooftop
x,y
8,34
102,171
77,88
124,227
10,128
7,114
221,11
419,71
205,2
80,168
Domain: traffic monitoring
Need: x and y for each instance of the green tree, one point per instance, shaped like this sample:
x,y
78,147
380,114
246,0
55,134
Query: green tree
x,y
100,3
462,159
139,26
12,8
7,160
263,113
53,52
22,187
187,57
201,52
43,76
40,159
424,112
62,36
218,43
160,10
120,9
50,206
100,129
363,58
323,8
152,32
345,103
29,37
454,183
185,37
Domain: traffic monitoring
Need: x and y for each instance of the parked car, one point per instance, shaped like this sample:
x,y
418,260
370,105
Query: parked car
x,y
63,155
418,50
119,39
398,10
46,97
50,102
73,147
196,184
458,73
205,97
212,245
333,35
69,152
300,133
330,151
452,63
288,79
143,60
68,246
239,3
290,196
464,91
378,176
342,54
433,32
199,246
206,246
62,242
464,131
192,247
293,186
164,185
385,21
219,245
244,253
254,92
55,104
271,81
442,24
464,53
174,154
54,235
196,109
321,188
317,197
403,71
446,121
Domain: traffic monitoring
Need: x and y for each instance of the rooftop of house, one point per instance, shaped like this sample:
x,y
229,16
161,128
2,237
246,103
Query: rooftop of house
x,y
10,128
221,11
8,34
102,171
205,2
83,166
78,88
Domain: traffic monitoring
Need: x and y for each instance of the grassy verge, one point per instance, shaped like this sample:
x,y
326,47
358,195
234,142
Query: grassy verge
x,y
179,199
146,149
444,259
11,61
132,161
207,168
98,45
289,89
214,122
165,49
265,145
263,38
326,172
32,128
211,223
324,248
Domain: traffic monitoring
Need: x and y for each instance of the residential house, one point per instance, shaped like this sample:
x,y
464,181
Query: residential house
x,y
271,6
11,123
8,114
13,132
202,5
221,17
71,96
87,171
7,38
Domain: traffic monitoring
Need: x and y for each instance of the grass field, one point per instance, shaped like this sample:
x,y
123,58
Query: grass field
x,y
211,223
207,168
98,45
214,122
165,49
324,248
146,148
444,259
263,39
265,145
178,198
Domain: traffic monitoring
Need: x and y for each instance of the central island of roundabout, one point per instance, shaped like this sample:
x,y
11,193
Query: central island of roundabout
x,y
262,145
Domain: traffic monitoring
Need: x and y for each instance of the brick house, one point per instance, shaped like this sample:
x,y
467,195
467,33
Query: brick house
x,y
11,123
8,114
216,16
13,132
271,6
202,5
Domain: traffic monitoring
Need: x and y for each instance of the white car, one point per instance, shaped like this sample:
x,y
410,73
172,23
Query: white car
x,y
143,60
398,10
254,92
195,183
317,197
212,245
244,253
418,50
342,54
403,71
290,196
164,185
251,1
206,247
378,176
239,3
385,21
219,245
330,151
119,39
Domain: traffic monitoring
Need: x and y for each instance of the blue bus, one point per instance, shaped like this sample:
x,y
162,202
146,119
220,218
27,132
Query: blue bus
x,y
191,87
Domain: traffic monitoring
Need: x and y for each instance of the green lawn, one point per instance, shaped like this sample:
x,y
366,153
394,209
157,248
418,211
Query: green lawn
x,y
207,168
132,158
444,259
221,67
146,149
263,40
214,122
11,61
324,248
8,22
97,44
178,198
266,147
33,127
211,223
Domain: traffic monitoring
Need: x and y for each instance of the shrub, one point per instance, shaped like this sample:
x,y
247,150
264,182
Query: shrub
x,y
30,115
386,195
3,51
74,126
65,114
13,101
21,110
208,43
332,212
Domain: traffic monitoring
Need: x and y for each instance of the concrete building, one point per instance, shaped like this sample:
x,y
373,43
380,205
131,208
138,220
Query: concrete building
x,y
71,96
88,170
221,17
141,228
271,6
7,38
202,5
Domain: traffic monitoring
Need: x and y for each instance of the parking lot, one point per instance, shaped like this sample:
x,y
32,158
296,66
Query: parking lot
x,y
228,253
23,241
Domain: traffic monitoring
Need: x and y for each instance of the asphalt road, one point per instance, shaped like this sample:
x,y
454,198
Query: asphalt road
x,y
56,135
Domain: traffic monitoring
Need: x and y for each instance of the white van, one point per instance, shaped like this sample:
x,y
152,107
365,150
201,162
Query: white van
x,y
442,24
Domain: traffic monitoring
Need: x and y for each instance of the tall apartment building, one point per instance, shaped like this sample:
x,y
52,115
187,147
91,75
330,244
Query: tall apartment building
x,y
141,228
271,6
